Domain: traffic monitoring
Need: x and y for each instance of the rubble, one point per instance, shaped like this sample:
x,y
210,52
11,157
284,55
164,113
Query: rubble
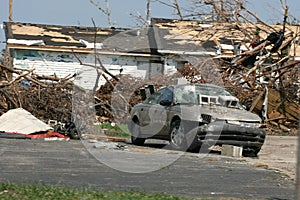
x,y
53,100
122,95
109,145
44,97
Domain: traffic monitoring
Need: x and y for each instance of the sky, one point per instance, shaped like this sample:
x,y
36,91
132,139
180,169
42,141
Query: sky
x,y
81,12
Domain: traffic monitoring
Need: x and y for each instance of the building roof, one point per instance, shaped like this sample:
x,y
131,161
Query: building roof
x,y
79,38
193,36
175,36
164,36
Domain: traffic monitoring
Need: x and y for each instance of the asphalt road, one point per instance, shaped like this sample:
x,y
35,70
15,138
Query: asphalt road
x,y
68,163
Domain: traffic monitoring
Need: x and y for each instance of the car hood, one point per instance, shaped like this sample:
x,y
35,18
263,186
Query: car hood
x,y
193,112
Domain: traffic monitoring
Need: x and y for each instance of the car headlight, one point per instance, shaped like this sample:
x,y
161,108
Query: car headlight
x,y
244,124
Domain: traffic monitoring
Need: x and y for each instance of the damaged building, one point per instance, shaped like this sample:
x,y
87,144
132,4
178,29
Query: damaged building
x,y
246,58
68,50
163,48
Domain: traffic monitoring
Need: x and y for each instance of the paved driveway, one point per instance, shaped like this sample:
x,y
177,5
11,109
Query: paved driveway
x,y
279,153
68,163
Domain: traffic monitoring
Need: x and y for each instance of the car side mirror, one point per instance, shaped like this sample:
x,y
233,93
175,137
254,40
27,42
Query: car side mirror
x,y
165,102
247,107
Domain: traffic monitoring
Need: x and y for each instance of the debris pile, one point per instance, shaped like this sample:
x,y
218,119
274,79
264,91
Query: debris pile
x,y
118,95
115,98
45,97
254,61
51,102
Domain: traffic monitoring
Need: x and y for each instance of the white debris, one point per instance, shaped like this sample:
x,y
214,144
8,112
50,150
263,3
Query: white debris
x,y
21,121
26,42
110,145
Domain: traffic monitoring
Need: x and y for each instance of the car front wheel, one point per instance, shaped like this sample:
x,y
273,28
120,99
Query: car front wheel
x,y
251,151
177,136
135,133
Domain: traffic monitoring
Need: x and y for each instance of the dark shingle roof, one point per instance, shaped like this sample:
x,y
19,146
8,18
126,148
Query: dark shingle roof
x,y
116,39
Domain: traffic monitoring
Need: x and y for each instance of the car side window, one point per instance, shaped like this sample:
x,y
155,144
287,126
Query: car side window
x,y
167,95
153,99
162,94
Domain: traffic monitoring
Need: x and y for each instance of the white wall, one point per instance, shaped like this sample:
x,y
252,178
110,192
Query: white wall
x,y
64,64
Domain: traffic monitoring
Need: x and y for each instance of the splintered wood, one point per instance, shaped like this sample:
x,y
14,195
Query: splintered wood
x,y
46,97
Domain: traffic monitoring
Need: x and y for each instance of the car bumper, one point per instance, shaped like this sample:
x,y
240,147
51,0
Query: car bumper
x,y
218,133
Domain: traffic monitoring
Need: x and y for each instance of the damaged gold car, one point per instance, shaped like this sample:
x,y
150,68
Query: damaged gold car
x,y
195,116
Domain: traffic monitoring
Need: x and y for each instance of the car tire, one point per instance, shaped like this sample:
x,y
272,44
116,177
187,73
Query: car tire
x,y
135,133
177,136
251,151
195,148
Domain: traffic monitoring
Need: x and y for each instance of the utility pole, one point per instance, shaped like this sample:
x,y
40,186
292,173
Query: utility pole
x,y
148,13
298,164
10,10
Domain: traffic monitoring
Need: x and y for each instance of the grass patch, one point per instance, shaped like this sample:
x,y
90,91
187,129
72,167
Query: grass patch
x,y
120,130
39,191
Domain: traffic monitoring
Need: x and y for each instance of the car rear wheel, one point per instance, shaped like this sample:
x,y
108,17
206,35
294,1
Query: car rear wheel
x,y
177,136
135,133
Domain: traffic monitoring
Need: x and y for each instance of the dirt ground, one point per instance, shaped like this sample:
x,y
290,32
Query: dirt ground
x,y
278,153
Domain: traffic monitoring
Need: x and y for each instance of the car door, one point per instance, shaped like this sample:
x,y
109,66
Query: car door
x,y
160,112
145,114
152,114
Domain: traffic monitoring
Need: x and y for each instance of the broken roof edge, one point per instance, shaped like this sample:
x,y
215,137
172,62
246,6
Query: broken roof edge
x,y
90,47
189,53
74,37
8,24
170,20
57,35
78,50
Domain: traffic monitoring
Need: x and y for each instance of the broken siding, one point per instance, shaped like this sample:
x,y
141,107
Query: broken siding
x,y
66,64
46,63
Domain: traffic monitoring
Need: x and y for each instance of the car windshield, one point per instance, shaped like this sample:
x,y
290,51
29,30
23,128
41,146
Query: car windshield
x,y
204,94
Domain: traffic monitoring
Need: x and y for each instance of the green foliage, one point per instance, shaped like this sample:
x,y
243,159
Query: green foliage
x,y
120,130
36,192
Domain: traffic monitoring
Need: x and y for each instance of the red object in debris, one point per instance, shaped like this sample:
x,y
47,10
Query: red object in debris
x,y
40,135
47,135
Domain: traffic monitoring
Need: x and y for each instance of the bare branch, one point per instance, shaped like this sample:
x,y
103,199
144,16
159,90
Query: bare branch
x,y
105,11
166,4
256,17
178,9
